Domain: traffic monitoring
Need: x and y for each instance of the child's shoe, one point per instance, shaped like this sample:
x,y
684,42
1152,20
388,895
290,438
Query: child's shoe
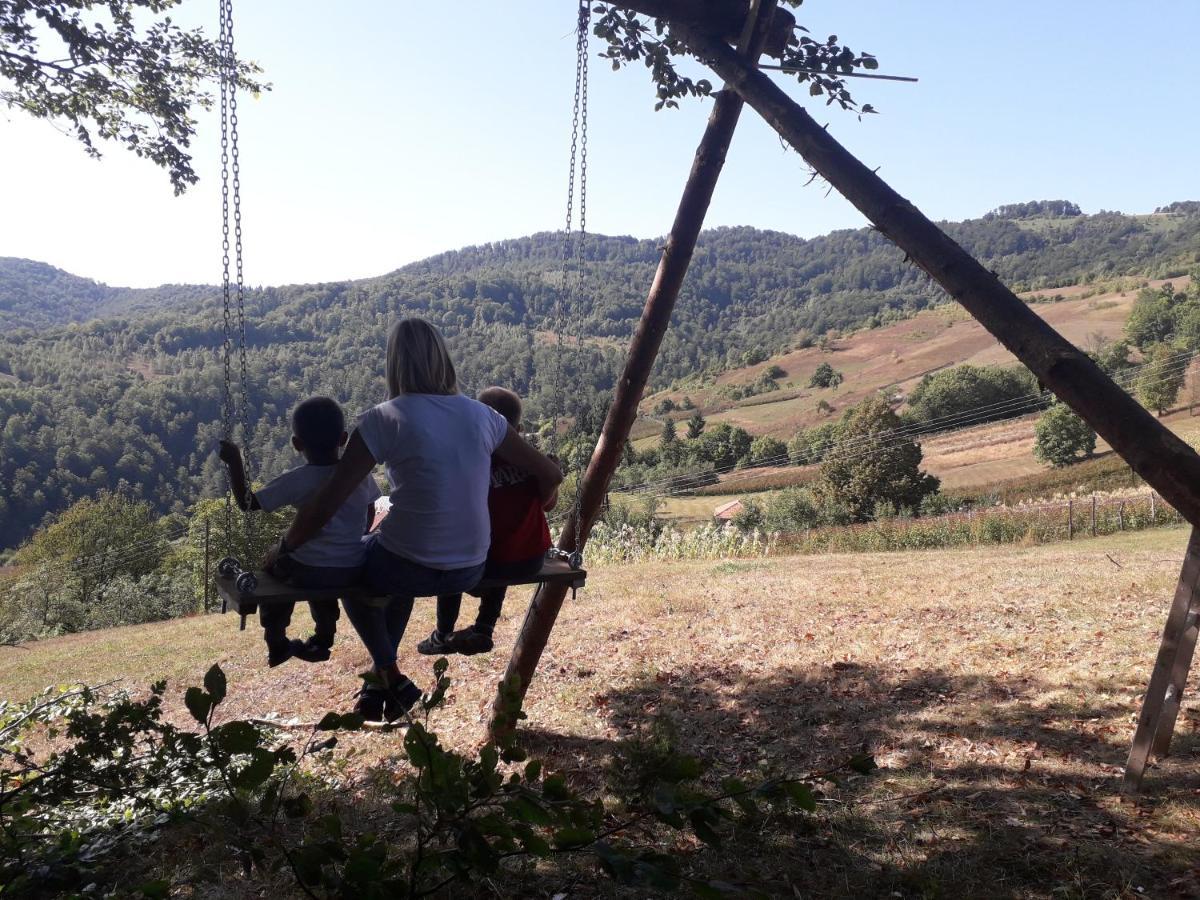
x,y
277,654
313,650
400,699
435,645
370,703
469,641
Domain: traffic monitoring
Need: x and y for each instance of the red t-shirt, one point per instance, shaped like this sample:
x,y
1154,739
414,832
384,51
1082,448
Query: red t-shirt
x,y
519,529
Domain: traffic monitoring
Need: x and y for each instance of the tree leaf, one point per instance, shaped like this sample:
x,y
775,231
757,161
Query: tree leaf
x,y
199,704
215,684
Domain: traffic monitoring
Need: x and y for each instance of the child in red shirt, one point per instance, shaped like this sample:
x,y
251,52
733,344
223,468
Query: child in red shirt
x,y
520,539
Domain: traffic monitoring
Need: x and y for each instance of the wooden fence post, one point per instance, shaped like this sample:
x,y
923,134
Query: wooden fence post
x,y
1070,519
207,562
1093,515
1153,509
1121,516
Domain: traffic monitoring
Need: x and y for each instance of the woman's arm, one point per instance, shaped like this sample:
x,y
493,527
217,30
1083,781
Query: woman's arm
x,y
517,451
355,465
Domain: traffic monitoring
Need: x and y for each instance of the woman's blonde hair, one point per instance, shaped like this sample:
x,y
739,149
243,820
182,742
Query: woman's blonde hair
x,y
417,360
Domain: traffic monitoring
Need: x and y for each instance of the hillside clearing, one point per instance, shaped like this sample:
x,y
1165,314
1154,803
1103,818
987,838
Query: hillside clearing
x,y
999,701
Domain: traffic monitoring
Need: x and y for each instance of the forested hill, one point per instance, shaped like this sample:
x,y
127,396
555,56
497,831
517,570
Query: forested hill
x,y
103,386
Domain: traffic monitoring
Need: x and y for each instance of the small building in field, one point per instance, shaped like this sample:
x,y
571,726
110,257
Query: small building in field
x,y
726,511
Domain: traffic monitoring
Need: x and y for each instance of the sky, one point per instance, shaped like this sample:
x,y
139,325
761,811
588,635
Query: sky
x,y
397,130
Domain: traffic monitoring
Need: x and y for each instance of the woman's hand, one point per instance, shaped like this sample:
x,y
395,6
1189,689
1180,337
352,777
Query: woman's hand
x,y
272,556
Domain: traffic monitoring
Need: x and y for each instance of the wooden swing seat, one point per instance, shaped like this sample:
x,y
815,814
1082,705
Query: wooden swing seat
x,y
272,590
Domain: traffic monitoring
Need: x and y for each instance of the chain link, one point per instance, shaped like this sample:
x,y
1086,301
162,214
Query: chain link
x,y
231,188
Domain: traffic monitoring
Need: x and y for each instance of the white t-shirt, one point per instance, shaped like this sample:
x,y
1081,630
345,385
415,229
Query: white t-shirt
x,y
339,544
437,450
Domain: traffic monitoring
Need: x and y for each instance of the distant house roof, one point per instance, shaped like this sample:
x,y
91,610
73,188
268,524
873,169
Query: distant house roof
x,y
727,511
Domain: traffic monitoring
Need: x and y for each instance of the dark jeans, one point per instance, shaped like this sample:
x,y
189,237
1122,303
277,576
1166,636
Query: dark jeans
x,y
491,600
381,625
275,617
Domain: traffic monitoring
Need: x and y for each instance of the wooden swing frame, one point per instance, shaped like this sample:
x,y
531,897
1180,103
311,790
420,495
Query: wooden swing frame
x,y
1166,462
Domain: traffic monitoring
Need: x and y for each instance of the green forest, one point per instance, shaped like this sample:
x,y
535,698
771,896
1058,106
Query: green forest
x,y
113,388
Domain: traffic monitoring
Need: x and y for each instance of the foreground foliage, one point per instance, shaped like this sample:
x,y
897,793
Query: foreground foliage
x,y
119,775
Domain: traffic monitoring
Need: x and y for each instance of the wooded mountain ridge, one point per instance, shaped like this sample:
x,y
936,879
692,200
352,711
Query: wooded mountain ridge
x,y
103,387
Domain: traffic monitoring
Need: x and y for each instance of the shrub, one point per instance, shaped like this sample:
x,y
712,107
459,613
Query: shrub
x,y
768,451
965,395
1160,379
825,376
1061,437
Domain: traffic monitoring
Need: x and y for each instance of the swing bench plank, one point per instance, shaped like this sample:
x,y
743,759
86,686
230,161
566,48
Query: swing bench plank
x,y
272,590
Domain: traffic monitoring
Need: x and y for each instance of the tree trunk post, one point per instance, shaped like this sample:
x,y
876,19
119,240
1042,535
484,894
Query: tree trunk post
x,y
656,315
1164,460
1156,721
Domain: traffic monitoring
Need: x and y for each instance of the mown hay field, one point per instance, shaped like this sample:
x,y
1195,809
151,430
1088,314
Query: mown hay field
x,y
997,688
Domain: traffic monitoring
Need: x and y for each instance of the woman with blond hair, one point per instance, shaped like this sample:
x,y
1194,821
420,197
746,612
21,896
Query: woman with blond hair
x,y
436,445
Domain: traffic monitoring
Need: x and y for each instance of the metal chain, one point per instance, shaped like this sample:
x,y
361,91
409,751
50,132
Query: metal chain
x,y
227,414
572,248
230,163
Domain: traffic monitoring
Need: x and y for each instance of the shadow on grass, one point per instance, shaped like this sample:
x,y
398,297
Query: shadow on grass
x,y
989,787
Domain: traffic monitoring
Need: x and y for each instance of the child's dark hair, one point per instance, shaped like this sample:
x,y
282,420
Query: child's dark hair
x,y
503,401
319,423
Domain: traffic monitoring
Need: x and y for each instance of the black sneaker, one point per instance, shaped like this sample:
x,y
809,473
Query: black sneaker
x,y
434,645
400,700
311,650
278,654
469,641
370,703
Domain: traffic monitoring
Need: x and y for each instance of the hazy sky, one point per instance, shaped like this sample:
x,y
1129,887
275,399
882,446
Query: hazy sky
x,y
399,129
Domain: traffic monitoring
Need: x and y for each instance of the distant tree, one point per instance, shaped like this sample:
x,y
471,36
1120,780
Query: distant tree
x,y
723,445
664,406
119,70
1113,357
824,407
973,394
749,517
768,451
1160,379
774,372
1151,321
871,463
810,445
1061,437
686,403
695,426
825,376
668,435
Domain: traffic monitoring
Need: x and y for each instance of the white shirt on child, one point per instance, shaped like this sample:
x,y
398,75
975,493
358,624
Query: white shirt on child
x,y
437,450
339,544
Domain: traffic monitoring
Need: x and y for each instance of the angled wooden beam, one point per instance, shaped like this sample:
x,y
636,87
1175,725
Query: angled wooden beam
x,y
1167,463
643,350
1161,704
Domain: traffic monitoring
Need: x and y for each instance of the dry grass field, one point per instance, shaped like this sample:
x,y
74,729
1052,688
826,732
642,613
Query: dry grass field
x,y
998,699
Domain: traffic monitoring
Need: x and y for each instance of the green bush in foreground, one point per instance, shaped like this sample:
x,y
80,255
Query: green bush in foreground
x,y
79,818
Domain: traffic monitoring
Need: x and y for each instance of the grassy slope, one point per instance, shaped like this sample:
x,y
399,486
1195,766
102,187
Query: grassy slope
x,y
999,701
898,356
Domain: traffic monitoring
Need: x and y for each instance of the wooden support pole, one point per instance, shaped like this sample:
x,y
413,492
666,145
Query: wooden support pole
x,y
643,350
1165,461
207,574
1165,690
